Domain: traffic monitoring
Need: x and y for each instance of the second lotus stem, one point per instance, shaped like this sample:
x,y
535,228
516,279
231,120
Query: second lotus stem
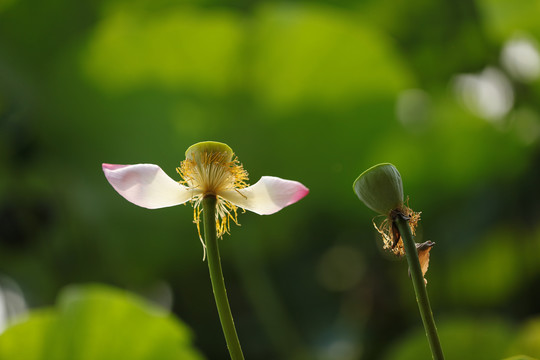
x,y
419,285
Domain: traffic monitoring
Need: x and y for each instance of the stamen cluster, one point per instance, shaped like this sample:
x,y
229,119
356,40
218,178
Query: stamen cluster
x,y
390,235
210,173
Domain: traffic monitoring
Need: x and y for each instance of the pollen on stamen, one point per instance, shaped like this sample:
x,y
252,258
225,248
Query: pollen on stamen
x,y
213,172
224,214
210,173
225,211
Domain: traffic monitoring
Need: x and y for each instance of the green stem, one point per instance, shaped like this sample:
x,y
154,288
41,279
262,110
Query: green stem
x,y
216,277
419,286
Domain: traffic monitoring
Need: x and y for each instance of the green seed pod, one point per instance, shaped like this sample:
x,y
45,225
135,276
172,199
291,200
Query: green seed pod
x,y
194,152
380,188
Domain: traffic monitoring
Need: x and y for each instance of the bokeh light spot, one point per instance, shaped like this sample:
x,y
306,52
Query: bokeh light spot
x,y
412,109
521,59
488,94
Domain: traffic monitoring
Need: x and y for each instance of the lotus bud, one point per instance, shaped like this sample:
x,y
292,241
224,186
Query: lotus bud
x,y
380,188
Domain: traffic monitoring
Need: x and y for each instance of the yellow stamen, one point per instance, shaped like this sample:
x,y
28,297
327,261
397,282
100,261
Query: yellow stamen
x,y
213,172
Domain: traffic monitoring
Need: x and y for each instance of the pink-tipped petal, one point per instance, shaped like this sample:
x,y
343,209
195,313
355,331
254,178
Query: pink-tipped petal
x,y
146,185
269,195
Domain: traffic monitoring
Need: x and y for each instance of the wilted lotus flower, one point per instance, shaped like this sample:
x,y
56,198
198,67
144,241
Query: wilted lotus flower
x,y
380,188
210,169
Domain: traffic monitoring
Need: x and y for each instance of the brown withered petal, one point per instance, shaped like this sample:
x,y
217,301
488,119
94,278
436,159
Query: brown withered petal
x,y
423,255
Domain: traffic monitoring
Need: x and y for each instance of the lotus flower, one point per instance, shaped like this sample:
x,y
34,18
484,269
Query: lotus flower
x,y
210,169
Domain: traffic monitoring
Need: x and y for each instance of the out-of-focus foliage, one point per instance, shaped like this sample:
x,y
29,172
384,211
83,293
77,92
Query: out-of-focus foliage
x,y
471,339
528,338
97,322
449,92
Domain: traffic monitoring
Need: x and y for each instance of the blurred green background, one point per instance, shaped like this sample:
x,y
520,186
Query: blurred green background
x,y
448,91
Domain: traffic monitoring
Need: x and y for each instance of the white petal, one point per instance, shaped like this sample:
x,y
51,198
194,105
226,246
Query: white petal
x,y
146,185
269,195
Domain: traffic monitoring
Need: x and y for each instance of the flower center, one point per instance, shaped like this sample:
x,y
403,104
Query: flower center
x,y
212,172
212,169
